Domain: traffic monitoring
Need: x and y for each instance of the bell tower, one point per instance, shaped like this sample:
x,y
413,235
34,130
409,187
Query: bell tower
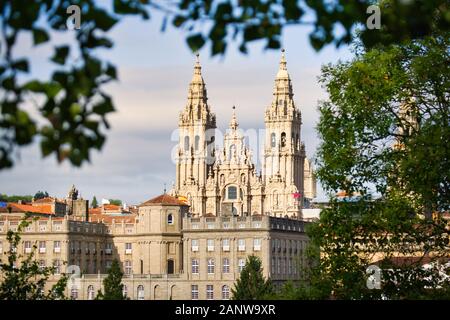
x,y
195,154
284,154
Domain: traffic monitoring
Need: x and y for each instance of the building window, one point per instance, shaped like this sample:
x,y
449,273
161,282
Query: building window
x,y
57,226
283,139
57,266
225,292
241,244
170,266
274,261
41,265
232,193
257,244
186,143
128,248
211,266
226,265
209,292
194,245
140,292
128,267
170,219
194,292
27,246
210,243
42,226
279,266
241,264
195,266
108,264
197,143
273,140
226,244
108,248
91,293
74,293
42,247
57,246
125,291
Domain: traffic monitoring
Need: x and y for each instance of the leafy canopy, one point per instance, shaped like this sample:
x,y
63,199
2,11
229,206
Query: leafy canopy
x,y
71,106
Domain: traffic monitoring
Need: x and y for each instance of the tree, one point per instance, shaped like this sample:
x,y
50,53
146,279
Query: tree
x,y
40,195
15,198
251,284
116,202
71,105
385,133
94,202
28,280
113,284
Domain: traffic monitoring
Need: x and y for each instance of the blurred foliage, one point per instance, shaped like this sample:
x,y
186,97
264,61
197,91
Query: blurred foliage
x,y
72,106
112,284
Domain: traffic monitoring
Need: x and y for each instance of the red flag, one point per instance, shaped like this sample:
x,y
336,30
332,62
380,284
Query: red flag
x,y
296,195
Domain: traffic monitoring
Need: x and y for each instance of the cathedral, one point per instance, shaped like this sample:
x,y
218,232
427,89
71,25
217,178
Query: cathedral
x,y
225,181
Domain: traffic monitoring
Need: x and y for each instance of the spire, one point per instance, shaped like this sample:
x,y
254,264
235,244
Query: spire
x,y
283,86
282,71
233,123
197,77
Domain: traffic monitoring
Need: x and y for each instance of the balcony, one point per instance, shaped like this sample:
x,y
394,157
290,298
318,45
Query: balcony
x,y
128,251
194,248
226,248
210,248
42,250
57,250
241,248
27,250
108,251
257,247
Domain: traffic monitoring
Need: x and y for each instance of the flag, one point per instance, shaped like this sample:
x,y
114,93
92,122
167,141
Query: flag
x,y
3,204
296,195
183,199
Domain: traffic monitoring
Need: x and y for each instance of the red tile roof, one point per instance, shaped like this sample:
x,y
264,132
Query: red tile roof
x,y
16,207
164,199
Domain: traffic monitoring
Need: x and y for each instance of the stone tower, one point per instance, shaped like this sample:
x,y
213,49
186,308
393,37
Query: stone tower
x,y
284,153
195,156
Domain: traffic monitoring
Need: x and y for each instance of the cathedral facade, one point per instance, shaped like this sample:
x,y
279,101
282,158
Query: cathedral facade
x,y
224,181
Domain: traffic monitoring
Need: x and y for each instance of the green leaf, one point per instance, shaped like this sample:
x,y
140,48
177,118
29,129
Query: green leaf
x,y
40,36
21,65
61,54
195,42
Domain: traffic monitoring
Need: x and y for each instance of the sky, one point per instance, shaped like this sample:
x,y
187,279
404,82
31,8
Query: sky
x,y
154,70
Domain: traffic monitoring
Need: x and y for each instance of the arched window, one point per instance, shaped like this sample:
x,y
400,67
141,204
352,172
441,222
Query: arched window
x,y
273,140
91,293
140,292
170,219
232,193
186,143
226,292
197,143
283,139
297,142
